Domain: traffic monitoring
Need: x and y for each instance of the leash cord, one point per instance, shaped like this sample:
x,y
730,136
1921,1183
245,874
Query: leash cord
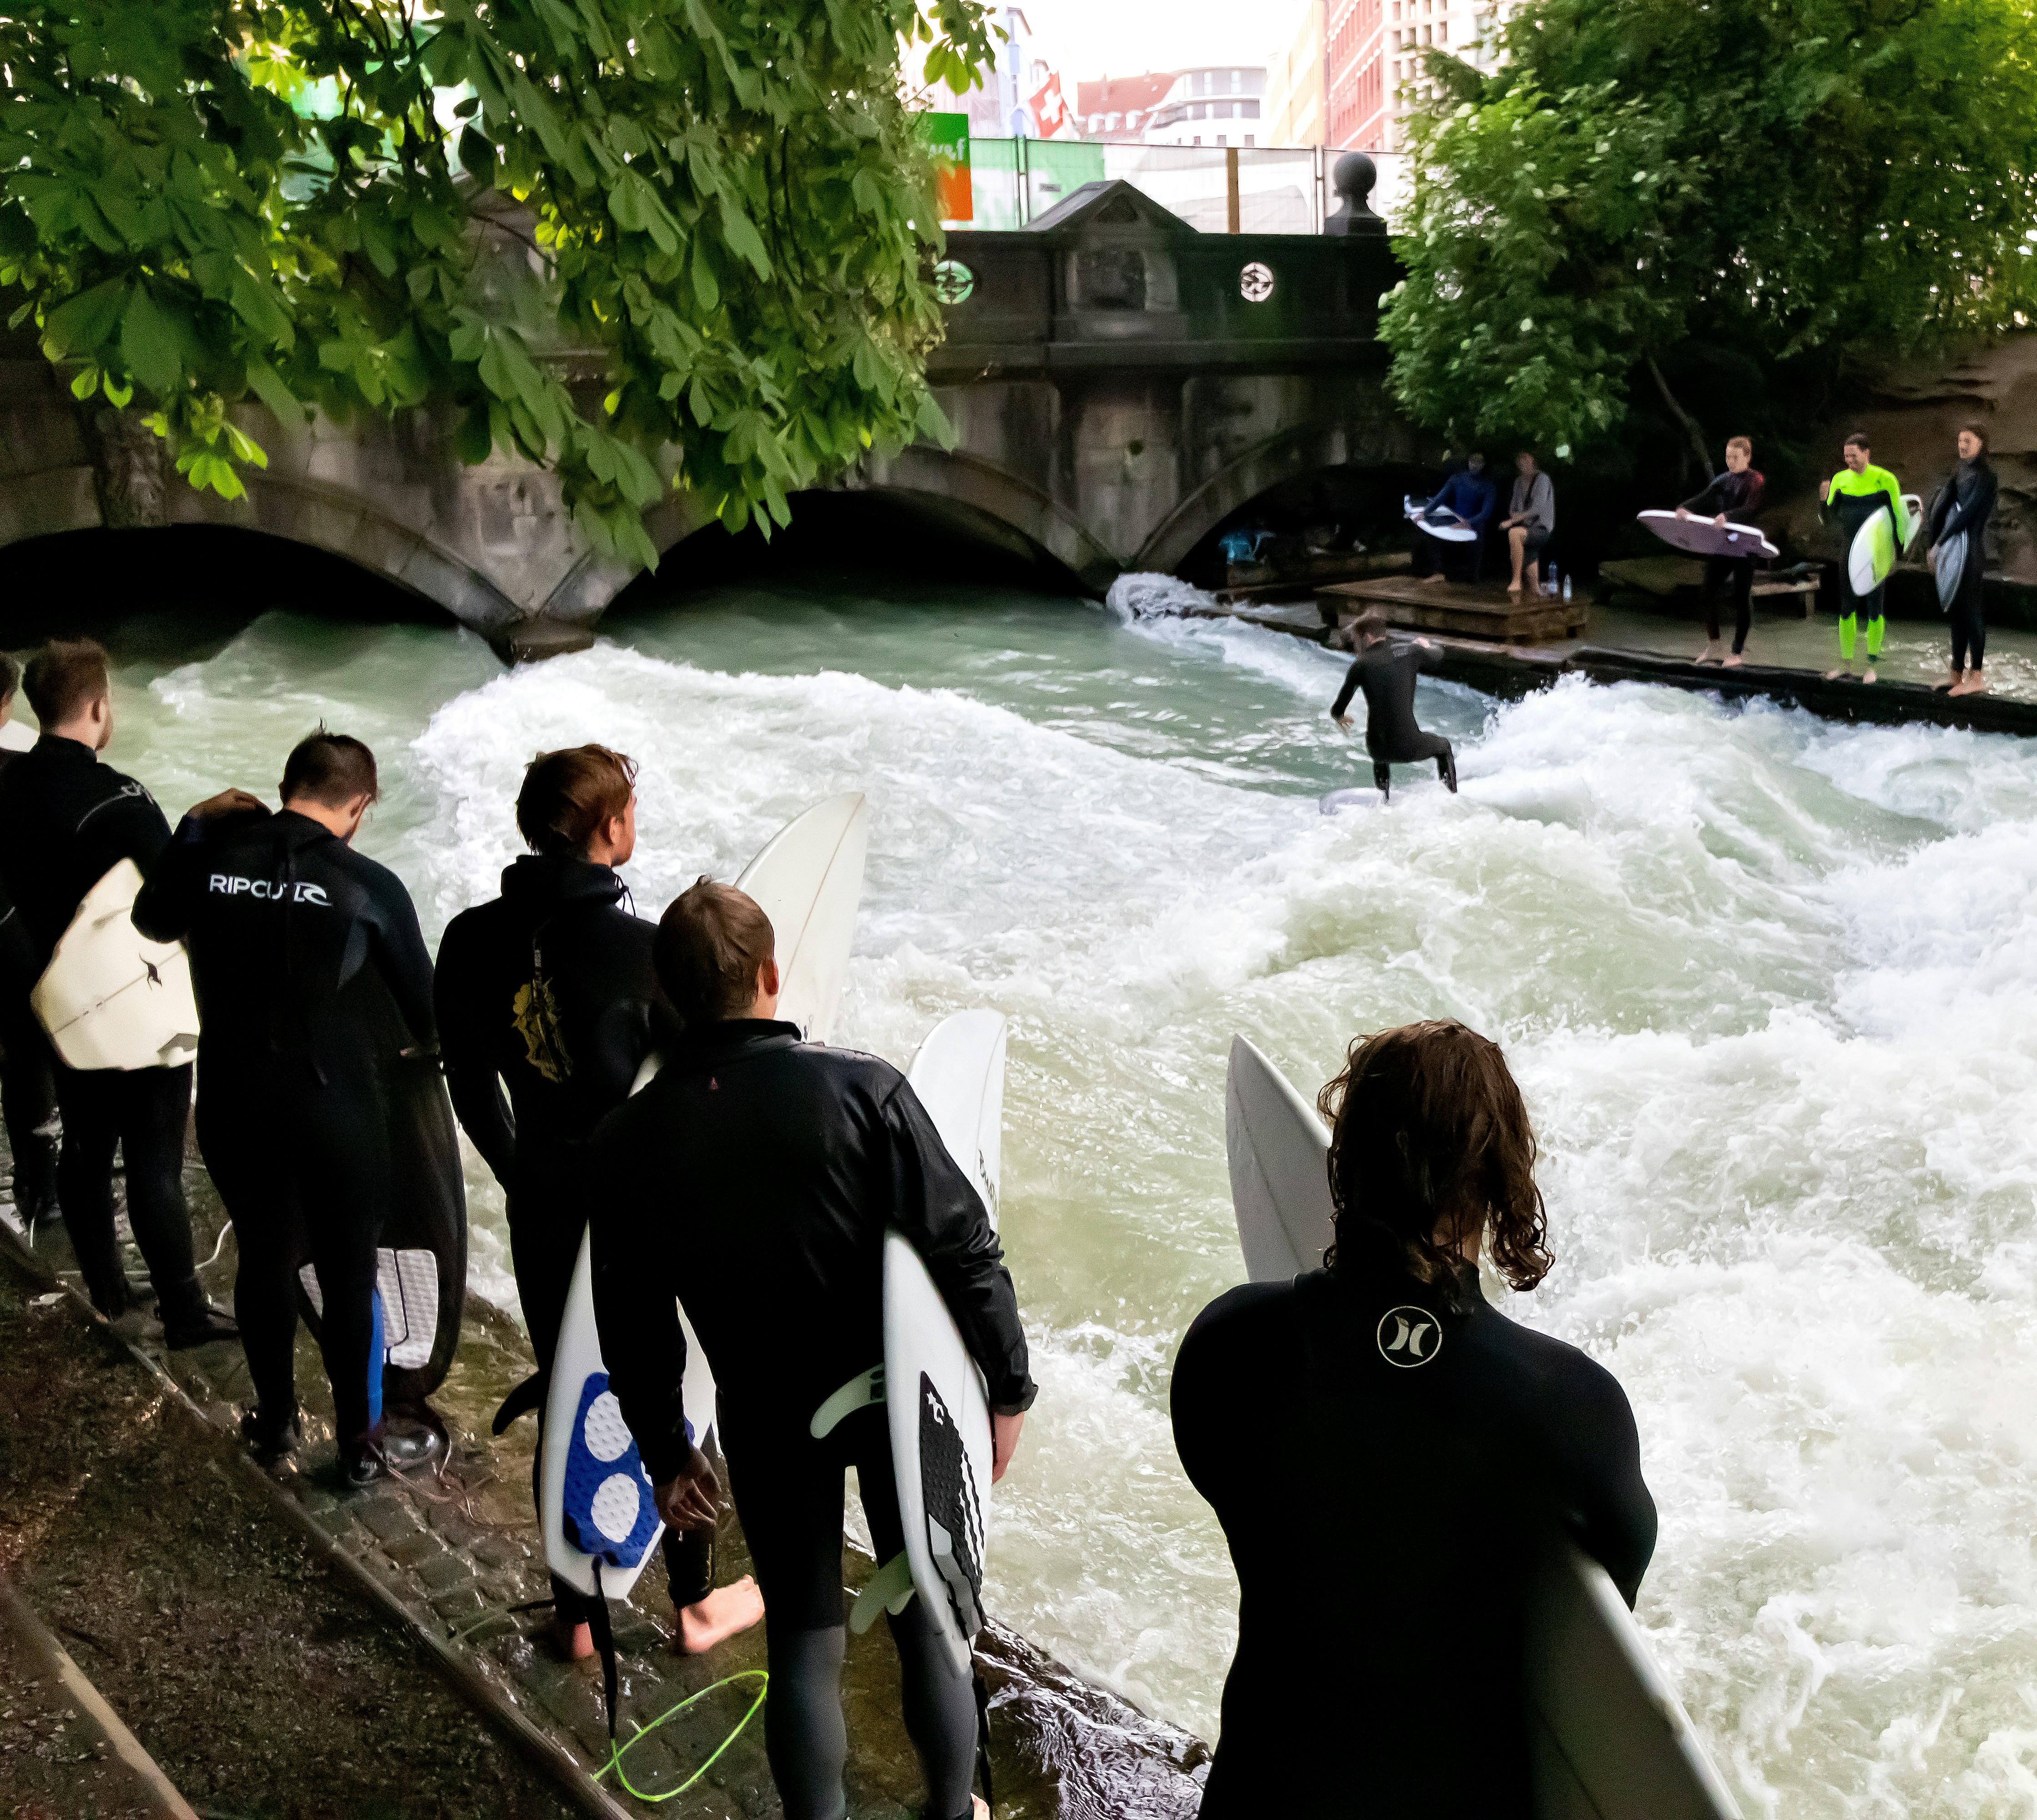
x,y
617,1750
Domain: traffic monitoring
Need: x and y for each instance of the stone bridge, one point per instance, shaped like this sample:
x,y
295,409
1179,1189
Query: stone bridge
x,y
1118,383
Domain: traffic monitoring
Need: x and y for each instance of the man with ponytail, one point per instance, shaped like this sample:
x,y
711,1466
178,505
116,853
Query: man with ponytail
x,y
550,990
1408,1454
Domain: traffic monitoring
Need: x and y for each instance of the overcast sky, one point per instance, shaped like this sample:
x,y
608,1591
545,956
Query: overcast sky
x,y
1084,38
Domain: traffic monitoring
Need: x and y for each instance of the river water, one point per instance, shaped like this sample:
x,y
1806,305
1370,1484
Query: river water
x,y
1769,986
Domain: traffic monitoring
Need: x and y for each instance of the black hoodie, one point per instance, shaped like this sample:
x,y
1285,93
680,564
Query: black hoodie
x,y
550,988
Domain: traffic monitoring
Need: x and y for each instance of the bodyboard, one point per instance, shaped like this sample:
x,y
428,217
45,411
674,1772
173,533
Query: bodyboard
x,y
1700,537
110,997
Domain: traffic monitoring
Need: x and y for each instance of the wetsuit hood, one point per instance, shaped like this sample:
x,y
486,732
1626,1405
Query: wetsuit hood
x,y
546,883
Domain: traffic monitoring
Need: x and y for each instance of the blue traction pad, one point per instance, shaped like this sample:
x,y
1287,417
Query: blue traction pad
x,y
608,1508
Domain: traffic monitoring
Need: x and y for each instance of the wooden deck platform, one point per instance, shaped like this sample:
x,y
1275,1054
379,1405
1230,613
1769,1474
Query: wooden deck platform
x,y
1481,612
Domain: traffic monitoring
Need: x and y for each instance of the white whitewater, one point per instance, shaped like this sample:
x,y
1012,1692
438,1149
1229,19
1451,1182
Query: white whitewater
x,y
1770,986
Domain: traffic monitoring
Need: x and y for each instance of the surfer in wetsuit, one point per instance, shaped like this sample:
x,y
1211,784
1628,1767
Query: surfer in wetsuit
x,y
300,950
1850,499
551,989
66,820
1387,672
1734,497
27,1078
1407,1440
1962,506
756,1177
1470,496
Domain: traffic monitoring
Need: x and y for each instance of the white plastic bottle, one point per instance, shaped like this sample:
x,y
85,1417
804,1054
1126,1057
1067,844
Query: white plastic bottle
x,y
1567,587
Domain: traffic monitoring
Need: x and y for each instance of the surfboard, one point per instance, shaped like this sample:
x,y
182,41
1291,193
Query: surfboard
x,y
1611,1740
594,1497
1417,511
1338,800
1913,512
110,997
1872,554
1952,567
1701,537
16,735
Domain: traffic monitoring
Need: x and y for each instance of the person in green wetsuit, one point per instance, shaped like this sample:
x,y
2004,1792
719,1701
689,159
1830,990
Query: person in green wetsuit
x,y
1850,499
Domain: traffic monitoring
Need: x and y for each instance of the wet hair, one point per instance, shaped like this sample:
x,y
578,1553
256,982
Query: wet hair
x,y
1746,443
711,943
1974,427
1369,623
331,768
570,795
1857,440
1429,1143
66,677
10,675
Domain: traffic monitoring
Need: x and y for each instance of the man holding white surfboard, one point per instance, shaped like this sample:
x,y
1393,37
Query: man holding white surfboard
x,y
67,820
1733,497
756,1178
1866,503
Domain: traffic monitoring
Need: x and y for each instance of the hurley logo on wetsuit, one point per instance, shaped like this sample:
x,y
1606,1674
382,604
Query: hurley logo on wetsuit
x,y
1409,1336
279,890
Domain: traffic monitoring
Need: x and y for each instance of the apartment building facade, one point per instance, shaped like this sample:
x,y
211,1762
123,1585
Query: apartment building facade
x,y
1372,60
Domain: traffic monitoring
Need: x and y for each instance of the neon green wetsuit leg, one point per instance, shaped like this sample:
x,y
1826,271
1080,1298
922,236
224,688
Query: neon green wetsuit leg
x,y
1848,625
1876,628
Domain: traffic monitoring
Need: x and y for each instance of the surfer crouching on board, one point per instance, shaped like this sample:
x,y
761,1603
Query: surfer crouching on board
x,y
756,1177
1850,499
550,990
1733,498
27,1080
1387,672
66,820
1415,1455
298,944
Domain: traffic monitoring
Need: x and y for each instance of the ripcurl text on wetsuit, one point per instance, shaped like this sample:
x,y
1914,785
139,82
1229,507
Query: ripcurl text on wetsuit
x,y
301,948
1388,1463
1738,496
66,820
550,989
754,1178
1852,500
1387,672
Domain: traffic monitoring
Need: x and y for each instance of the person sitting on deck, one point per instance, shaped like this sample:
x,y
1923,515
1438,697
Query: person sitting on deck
x,y
1387,672
1470,494
1530,520
1416,1455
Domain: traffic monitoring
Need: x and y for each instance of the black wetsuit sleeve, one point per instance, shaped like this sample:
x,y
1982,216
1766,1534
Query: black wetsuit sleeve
x,y
1977,508
1609,1509
635,1303
468,1052
934,1205
164,905
1709,501
1429,657
127,825
1351,678
397,945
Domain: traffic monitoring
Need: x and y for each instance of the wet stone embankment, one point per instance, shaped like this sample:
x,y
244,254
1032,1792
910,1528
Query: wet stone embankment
x,y
249,1603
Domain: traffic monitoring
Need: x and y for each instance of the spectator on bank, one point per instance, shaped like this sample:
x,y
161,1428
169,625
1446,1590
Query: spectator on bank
x,y
1530,520
1959,519
1470,494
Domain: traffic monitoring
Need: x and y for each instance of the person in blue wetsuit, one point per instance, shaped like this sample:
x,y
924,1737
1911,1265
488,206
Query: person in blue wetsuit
x,y
1470,495
1414,1454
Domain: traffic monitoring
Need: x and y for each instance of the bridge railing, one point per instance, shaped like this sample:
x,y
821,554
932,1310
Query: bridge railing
x,y
1281,189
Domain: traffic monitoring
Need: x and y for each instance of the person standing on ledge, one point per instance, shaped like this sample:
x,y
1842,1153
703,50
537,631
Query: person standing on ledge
x,y
1387,673
1850,499
1734,497
1415,1455
1962,508
550,990
28,1076
756,1177
66,820
1530,521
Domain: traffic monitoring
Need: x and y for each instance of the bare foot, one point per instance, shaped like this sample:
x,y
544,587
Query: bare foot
x,y
1708,653
1868,675
1733,660
1949,686
1428,581
1514,588
980,1808
575,1641
1976,685
720,1616
1834,675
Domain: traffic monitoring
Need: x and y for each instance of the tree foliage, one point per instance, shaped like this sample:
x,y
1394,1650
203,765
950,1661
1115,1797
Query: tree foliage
x,y
1828,179
603,231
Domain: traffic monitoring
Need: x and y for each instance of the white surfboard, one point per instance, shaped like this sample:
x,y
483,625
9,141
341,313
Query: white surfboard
x,y
1611,1740
110,997
16,735
1701,537
1449,531
1872,554
808,880
1952,569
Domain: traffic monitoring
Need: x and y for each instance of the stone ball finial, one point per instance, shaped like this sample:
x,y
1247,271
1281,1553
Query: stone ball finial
x,y
1354,175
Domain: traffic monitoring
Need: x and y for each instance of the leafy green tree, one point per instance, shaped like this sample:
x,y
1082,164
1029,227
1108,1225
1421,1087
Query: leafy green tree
x,y
1796,180
606,233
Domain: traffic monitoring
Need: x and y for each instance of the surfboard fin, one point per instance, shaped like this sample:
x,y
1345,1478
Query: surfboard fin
x,y
891,1591
521,1401
860,1392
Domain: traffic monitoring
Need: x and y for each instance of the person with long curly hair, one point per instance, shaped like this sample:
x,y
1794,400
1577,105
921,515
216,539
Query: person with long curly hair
x,y
1392,1458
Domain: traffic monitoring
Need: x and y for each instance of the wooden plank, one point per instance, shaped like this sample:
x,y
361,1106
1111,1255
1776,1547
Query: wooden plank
x,y
1448,606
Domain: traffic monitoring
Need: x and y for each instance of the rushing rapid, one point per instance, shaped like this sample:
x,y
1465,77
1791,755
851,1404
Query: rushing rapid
x,y
1769,986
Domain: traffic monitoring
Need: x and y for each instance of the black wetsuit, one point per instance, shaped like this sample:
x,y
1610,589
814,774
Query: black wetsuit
x,y
1739,497
28,1066
1386,1470
1965,504
299,945
66,820
1386,672
755,1178
550,988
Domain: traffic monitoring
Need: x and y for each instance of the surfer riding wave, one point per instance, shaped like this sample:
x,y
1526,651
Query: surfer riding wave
x,y
1387,673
